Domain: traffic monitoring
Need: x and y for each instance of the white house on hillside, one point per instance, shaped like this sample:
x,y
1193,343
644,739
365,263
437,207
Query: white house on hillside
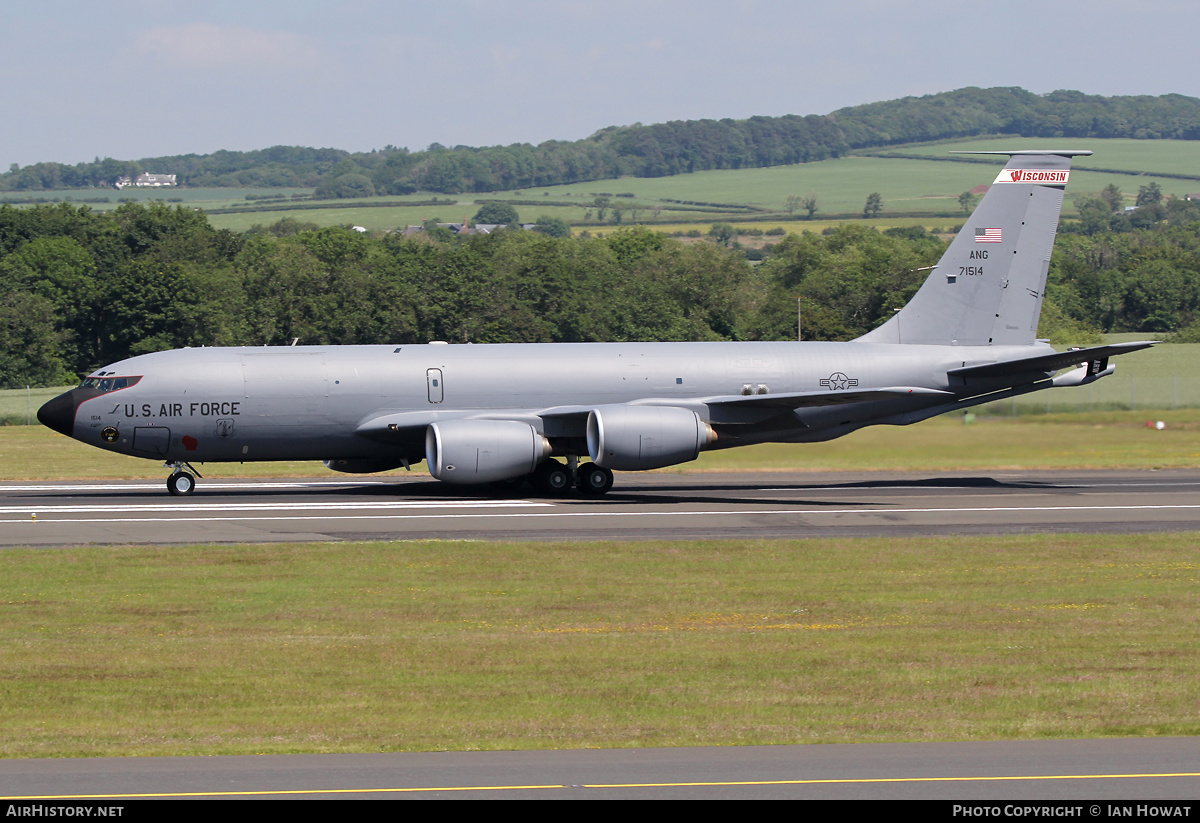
x,y
147,180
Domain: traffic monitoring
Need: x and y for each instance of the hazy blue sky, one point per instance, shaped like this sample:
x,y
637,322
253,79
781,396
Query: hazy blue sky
x,y
138,78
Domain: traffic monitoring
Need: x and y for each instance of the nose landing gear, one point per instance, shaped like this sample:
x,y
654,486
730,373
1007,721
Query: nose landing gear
x,y
181,483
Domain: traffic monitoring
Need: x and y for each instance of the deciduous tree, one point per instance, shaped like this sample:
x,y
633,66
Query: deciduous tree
x,y
496,213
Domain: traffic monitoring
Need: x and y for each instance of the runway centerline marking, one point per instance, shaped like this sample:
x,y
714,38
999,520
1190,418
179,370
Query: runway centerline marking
x,y
666,785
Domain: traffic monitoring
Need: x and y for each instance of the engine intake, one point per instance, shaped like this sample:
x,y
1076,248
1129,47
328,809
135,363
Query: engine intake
x,y
482,451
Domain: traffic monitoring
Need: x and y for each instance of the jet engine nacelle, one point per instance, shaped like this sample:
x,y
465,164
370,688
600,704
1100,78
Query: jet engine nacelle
x,y
633,438
364,465
481,451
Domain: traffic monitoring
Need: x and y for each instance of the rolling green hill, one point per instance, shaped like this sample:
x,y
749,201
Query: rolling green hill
x,y
656,150
910,186
920,180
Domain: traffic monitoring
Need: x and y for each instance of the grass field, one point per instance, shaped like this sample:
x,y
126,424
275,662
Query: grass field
x,y
1164,377
19,406
797,226
1103,440
1141,156
391,218
842,185
406,646
907,186
195,197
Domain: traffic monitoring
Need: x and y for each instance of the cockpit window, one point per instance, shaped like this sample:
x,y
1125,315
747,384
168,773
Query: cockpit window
x,y
107,384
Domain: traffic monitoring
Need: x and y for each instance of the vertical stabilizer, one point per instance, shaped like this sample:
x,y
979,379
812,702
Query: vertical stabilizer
x,y
987,289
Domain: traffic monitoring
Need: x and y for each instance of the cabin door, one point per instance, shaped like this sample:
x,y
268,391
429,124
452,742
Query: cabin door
x,y
433,377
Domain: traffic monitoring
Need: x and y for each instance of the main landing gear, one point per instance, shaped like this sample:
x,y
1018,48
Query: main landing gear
x,y
181,483
554,478
594,480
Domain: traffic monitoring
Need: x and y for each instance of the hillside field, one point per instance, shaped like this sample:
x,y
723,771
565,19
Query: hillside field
x,y
924,191
1135,156
910,188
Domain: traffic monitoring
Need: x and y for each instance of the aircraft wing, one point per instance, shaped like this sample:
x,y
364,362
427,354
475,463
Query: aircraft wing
x,y
398,421
809,399
410,420
1049,362
782,400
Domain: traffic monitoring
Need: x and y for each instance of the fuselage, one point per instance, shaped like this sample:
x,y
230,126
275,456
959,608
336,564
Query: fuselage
x,y
315,403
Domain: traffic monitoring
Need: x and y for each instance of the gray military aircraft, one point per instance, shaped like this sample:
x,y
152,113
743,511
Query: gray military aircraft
x,y
500,414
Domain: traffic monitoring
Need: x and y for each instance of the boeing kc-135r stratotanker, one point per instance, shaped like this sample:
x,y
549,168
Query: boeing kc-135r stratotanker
x,y
502,413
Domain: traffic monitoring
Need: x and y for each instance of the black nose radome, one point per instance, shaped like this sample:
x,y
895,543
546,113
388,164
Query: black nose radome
x,y
59,413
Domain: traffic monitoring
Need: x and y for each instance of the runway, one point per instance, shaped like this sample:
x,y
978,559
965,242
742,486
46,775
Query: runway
x,y
642,506
1162,769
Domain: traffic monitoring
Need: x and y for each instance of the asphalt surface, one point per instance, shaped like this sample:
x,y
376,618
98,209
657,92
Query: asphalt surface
x,y
1060,770
642,506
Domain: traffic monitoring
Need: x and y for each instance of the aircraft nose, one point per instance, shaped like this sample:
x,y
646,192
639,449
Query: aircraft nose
x,y
59,413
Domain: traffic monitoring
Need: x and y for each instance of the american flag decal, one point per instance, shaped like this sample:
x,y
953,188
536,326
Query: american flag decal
x,y
987,236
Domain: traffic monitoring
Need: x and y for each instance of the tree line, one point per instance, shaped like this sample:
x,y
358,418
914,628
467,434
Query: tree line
x,y
80,289
652,151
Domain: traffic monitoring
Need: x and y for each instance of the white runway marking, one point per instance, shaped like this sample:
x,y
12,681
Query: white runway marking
x,y
167,507
806,513
885,486
208,486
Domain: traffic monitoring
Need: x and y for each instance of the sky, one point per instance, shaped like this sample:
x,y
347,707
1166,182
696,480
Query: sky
x,y
142,78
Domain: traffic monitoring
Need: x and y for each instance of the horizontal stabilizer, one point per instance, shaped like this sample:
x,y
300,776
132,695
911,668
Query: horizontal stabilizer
x,y
1049,362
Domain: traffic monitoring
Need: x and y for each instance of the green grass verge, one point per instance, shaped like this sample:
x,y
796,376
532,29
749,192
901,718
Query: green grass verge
x,y
373,218
19,407
1113,440
1103,440
359,647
